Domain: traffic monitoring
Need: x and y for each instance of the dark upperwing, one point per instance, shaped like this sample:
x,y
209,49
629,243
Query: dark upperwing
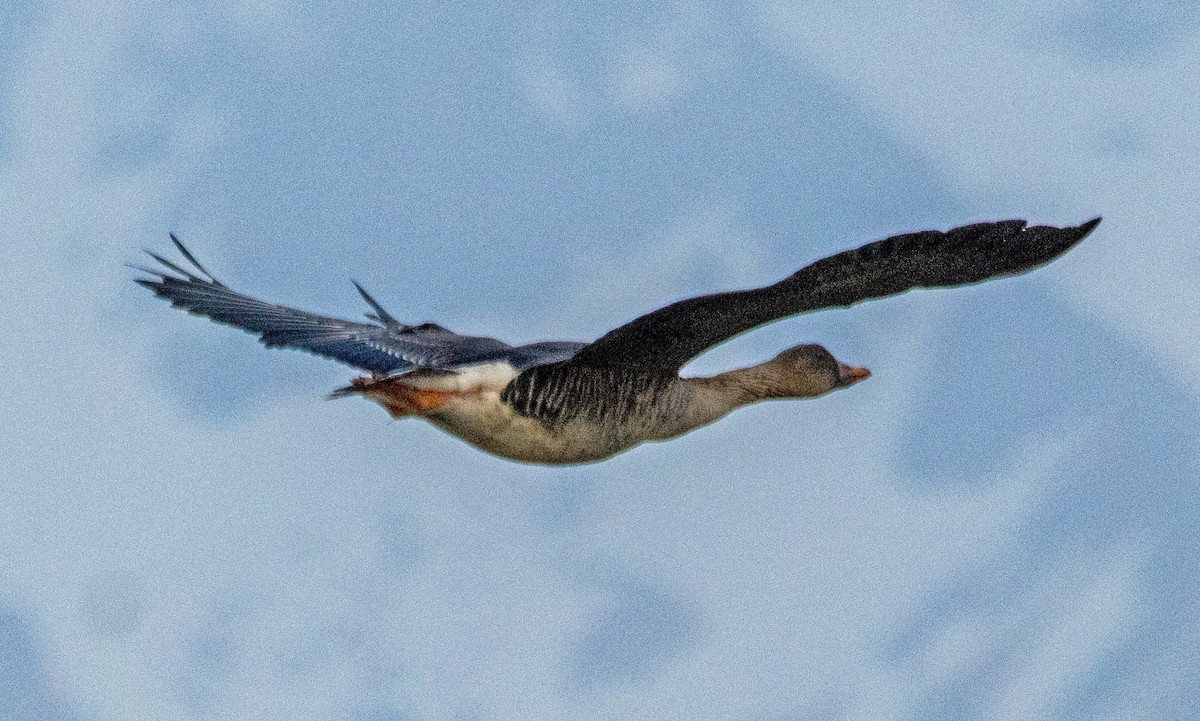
x,y
666,339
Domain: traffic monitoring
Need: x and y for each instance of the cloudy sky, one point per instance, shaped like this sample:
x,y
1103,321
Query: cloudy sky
x,y
1002,523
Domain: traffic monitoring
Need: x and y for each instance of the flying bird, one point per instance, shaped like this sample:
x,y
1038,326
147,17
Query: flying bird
x,y
563,402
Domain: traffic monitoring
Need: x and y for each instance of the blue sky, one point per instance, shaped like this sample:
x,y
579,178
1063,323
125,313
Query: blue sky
x,y
1001,523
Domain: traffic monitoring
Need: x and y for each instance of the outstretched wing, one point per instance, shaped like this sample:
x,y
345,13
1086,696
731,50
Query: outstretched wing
x,y
387,346
666,339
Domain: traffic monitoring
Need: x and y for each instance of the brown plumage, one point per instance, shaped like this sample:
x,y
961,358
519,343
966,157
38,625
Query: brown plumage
x,y
566,402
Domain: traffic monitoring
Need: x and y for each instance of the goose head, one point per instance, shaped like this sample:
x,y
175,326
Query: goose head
x,y
804,371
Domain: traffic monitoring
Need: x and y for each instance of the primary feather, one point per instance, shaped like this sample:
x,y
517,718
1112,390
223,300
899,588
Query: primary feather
x,y
387,346
669,337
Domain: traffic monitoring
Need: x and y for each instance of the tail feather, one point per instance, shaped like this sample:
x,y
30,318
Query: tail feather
x,y
357,386
396,396
342,392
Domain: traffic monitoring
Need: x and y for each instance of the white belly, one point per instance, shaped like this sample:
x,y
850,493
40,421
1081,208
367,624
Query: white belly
x,y
483,421
468,406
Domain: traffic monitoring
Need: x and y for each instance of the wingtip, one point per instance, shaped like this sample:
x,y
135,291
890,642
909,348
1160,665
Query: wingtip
x,y
191,258
178,245
363,292
380,314
141,269
171,266
1089,226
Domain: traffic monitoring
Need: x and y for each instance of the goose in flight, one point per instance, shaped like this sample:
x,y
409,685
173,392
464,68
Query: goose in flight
x,y
565,402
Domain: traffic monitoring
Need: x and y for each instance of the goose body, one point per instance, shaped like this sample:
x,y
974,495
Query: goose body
x,y
567,402
528,421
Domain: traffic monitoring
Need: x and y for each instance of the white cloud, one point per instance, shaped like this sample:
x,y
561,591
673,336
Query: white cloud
x,y
1023,127
279,30
645,78
551,88
1077,627
701,249
643,69
805,560
335,558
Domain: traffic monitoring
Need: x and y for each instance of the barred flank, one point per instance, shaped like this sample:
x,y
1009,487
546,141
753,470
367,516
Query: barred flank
x,y
560,393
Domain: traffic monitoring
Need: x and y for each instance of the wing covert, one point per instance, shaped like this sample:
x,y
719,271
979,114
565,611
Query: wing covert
x,y
386,347
666,339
